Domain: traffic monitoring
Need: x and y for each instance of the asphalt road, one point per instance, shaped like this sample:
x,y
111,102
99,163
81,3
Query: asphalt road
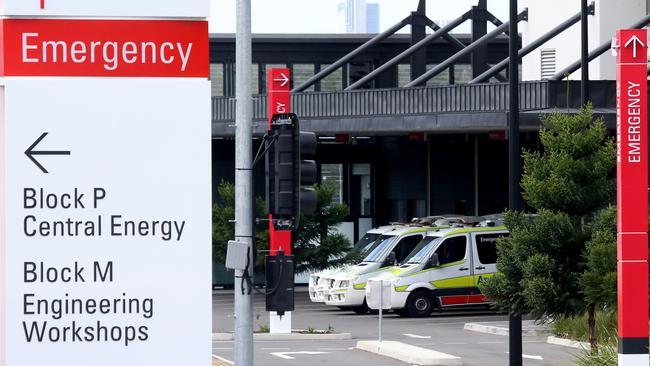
x,y
442,332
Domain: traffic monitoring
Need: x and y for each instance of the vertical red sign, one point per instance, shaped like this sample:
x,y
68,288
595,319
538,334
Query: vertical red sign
x,y
279,97
279,102
632,195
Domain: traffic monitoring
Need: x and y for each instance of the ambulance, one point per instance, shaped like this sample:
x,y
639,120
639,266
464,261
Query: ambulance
x,y
443,270
364,246
346,288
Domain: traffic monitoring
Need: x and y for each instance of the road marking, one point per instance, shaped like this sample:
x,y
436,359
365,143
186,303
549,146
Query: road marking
x,y
285,355
539,358
532,357
455,344
416,336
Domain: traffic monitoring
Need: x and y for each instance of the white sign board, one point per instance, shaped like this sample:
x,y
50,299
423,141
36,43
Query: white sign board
x,y
106,8
107,255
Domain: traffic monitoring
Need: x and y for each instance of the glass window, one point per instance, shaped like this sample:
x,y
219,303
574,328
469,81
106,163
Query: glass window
x,y
364,244
302,73
333,174
333,81
381,248
452,250
362,189
216,79
255,78
422,250
440,79
462,73
486,247
405,246
403,74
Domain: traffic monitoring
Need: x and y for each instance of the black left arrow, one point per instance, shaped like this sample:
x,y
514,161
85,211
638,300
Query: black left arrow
x,y
30,153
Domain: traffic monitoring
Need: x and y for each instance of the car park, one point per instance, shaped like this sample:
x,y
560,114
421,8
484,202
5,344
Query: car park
x,y
443,270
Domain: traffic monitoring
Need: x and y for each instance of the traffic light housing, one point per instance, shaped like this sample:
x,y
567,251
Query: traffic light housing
x,y
289,169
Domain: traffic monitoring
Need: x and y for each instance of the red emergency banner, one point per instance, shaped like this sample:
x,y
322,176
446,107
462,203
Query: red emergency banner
x,y
632,194
279,96
105,48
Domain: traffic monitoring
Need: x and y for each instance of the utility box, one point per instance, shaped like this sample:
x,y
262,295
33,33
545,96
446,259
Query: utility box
x,y
279,283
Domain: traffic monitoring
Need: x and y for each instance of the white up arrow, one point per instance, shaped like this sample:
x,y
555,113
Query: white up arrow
x,y
634,41
284,79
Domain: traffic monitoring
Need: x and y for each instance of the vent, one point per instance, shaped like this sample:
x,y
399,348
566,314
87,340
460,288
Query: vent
x,y
548,63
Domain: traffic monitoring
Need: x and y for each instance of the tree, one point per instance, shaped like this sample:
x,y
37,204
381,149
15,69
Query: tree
x,y
223,227
317,245
542,263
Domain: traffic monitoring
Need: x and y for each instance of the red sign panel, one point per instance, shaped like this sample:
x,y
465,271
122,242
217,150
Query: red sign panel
x,y
279,97
632,190
145,48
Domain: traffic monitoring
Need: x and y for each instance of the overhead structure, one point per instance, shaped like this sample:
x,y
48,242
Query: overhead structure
x,y
418,20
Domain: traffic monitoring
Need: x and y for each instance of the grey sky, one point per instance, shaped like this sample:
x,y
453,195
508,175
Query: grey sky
x,y
319,16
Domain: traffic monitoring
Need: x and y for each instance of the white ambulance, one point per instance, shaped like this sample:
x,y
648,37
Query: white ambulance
x,y
346,288
364,246
444,270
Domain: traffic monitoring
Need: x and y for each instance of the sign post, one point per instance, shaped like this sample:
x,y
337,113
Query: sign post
x,y
632,196
279,102
105,229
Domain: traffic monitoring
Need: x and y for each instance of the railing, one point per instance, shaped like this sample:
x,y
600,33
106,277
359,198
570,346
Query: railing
x,y
489,97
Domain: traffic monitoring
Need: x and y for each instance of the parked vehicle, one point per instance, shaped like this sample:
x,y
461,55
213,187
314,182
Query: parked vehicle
x,y
346,287
364,246
443,270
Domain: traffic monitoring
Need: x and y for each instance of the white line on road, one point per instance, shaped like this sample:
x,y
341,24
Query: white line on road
x,y
416,336
334,349
539,358
285,355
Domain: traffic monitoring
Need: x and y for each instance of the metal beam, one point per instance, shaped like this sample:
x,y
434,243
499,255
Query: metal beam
x,y
457,56
419,22
494,70
340,62
479,29
596,52
409,51
447,37
584,52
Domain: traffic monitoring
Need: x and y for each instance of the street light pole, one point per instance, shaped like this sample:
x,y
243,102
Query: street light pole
x,y
514,170
584,53
244,184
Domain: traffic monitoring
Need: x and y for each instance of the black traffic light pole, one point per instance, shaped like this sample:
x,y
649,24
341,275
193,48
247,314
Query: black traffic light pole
x,y
514,166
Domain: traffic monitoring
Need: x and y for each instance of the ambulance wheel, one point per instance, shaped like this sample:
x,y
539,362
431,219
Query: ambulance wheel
x,y
420,304
363,309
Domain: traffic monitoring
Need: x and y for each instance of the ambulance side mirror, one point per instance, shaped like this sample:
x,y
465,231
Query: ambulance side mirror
x,y
434,261
391,260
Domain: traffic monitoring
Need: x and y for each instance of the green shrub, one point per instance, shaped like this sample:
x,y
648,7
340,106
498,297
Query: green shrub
x,y
576,328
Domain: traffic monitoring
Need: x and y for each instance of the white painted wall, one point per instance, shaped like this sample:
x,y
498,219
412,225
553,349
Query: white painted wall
x,y
544,15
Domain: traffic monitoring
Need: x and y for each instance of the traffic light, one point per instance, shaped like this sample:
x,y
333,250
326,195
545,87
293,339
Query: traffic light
x,y
289,169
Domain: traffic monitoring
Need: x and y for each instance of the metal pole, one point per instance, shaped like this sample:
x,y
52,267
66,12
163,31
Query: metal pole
x,y
494,70
243,183
459,55
381,308
409,51
597,51
584,52
359,50
514,165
